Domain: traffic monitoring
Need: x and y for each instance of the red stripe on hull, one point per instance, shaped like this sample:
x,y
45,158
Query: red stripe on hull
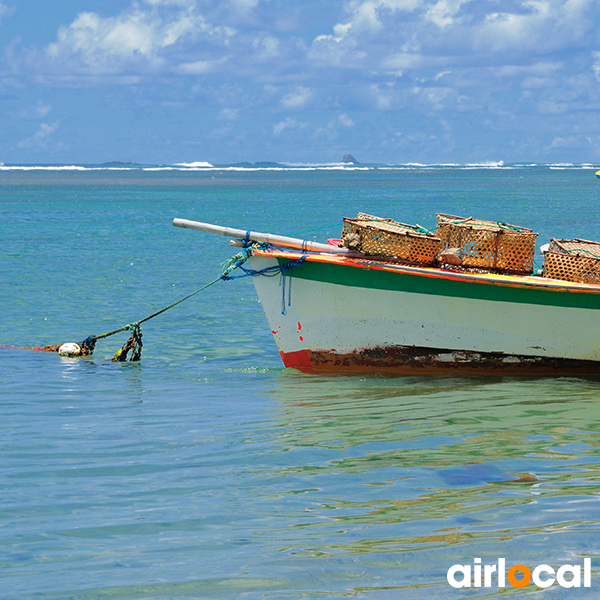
x,y
297,360
409,360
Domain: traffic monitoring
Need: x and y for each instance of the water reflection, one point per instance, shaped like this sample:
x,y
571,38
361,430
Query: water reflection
x,y
426,464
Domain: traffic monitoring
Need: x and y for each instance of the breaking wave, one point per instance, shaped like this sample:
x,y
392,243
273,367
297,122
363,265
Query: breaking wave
x,y
204,166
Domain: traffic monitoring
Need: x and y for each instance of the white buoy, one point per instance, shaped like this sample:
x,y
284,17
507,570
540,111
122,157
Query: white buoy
x,y
69,349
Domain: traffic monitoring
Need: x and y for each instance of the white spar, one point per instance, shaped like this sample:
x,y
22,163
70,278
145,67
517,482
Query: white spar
x,y
268,238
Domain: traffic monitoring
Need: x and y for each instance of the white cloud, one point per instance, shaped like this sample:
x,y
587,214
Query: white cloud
x,y
443,13
184,3
539,26
4,10
139,35
412,34
596,65
40,138
440,97
334,128
287,124
199,67
383,99
538,69
495,60
575,141
229,114
551,107
245,5
96,38
339,33
442,74
345,120
538,82
298,98
366,16
37,111
266,47
403,61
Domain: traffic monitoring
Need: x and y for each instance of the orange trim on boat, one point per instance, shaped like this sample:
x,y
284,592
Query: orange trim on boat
x,y
515,281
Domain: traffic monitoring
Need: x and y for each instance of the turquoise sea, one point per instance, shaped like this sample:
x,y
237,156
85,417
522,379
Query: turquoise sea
x,y
207,470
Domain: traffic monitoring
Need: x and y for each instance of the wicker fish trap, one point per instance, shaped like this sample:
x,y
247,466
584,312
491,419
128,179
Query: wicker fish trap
x,y
573,260
488,245
385,237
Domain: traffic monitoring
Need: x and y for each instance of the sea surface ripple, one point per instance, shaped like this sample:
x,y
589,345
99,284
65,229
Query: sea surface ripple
x,y
208,470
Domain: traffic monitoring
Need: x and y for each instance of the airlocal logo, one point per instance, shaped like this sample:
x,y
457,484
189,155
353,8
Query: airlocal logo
x,y
463,576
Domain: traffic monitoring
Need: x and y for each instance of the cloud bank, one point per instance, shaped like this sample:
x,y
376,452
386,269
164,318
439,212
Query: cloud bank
x,y
407,73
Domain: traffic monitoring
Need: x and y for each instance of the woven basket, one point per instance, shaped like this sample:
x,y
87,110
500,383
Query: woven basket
x,y
573,260
385,237
487,245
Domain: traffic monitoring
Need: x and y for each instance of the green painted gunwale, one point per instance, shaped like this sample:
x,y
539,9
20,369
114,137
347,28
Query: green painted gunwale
x,y
388,277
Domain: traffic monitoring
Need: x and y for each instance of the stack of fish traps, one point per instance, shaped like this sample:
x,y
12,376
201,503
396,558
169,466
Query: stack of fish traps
x,y
496,247
375,236
573,260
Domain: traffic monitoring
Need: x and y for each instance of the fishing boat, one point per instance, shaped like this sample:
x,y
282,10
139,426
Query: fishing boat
x,y
333,310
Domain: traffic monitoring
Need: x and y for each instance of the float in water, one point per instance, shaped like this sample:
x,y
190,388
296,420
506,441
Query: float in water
x,y
333,310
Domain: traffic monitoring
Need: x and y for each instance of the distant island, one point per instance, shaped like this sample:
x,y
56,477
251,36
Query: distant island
x,y
348,158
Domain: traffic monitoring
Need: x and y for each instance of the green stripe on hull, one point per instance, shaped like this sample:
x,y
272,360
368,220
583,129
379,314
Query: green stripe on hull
x,y
493,291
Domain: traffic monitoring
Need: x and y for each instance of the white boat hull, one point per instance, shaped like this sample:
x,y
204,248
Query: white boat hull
x,y
335,313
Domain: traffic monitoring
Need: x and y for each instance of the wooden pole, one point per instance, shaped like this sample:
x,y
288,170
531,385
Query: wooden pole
x,y
268,238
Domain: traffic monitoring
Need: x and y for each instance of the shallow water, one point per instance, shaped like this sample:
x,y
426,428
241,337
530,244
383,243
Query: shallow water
x,y
209,471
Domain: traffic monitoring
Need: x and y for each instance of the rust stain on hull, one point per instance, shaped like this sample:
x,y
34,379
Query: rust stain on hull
x,y
412,360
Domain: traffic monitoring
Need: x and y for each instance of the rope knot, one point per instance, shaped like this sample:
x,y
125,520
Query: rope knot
x,y
134,343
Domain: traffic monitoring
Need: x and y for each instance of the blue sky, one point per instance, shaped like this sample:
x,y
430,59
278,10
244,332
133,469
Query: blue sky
x,y
392,81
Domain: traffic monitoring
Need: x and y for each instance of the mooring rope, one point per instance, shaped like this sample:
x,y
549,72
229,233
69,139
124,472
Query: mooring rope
x,y
134,342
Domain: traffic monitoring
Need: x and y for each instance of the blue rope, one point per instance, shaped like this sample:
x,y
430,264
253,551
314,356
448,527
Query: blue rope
x,y
267,271
284,270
